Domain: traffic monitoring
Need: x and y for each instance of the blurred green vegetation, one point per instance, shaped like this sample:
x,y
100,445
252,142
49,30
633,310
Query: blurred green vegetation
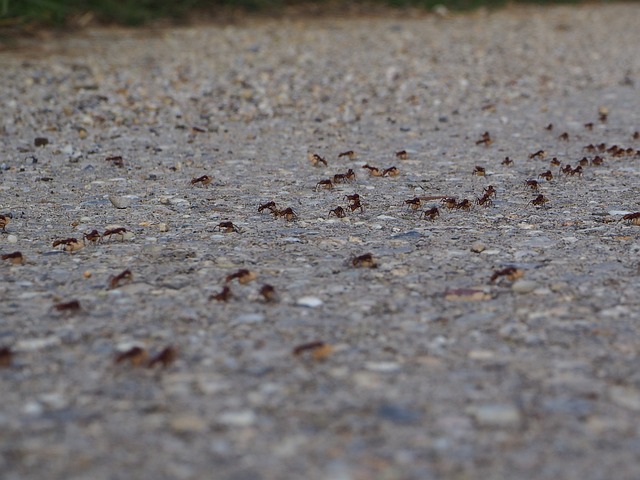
x,y
138,12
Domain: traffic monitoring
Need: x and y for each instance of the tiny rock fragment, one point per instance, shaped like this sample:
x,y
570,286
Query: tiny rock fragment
x,y
120,202
243,418
188,423
496,415
163,227
478,247
524,286
311,302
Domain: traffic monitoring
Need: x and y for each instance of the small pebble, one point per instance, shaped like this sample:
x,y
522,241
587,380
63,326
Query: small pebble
x,y
524,286
187,423
495,415
242,418
478,247
311,302
120,202
12,238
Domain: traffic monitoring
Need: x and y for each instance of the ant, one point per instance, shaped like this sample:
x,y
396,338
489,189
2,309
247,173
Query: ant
x,y
355,205
353,198
479,171
588,126
338,212
243,275
511,273
165,357
228,227
484,201
350,154
489,191
121,277
485,139
16,257
4,221
539,201
115,231
117,161
287,213
317,160
222,296
6,357
344,177
554,162
464,205
549,127
70,306
402,155
374,171
564,137
271,206
431,214
135,355
449,202
92,236
584,161
603,114
364,261
326,184
204,180
391,172
268,293
632,218
548,176
308,346
532,184
70,244
576,171
636,135
597,160
538,154
414,203
507,162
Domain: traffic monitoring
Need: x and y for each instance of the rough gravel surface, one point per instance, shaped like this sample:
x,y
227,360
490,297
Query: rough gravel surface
x,y
498,341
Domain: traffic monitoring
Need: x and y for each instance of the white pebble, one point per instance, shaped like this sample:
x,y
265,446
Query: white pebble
x,y
524,286
12,238
242,418
311,302
496,415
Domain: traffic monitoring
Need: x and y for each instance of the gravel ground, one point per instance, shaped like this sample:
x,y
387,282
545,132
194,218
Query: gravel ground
x,y
437,363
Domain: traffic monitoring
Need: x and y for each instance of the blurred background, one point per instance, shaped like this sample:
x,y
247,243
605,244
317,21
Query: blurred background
x,y
81,13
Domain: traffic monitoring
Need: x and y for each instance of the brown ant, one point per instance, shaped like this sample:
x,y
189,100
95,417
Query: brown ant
x,y
70,306
287,213
16,257
511,273
222,296
374,171
564,136
228,227
268,293
449,202
6,357
507,162
92,236
532,184
338,212
485,139
353,198
4,221
391,172
204,180
344,177
355,205
588,126
243,275
479,171
549,127
271,206
402,155
117,161
591,148
364,261
538,154
136,356
317,160
566,169
431,214
70,244
603,114
632,218
165,357
414,203
484,201
350,154
584,161
554,162
539,201
464,205
548,176
125,276
326,184
576,171
119,231
489,191
311,346
597,160
636,135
